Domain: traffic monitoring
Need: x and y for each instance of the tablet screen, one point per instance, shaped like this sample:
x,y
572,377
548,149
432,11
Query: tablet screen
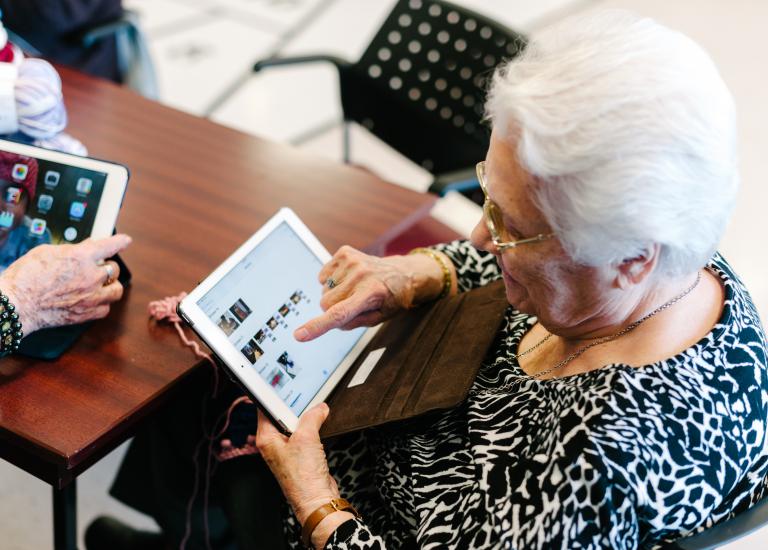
x,y
44,202
259,304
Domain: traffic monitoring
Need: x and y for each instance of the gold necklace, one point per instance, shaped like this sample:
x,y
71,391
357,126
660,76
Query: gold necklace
x,y
597,342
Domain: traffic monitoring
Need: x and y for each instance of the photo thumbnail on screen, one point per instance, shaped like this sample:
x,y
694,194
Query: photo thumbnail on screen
x,y
228,323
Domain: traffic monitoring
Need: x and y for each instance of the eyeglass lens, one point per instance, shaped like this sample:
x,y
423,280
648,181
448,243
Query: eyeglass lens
x,y
493,217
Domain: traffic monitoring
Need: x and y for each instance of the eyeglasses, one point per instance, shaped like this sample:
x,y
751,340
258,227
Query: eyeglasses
x,y
494,220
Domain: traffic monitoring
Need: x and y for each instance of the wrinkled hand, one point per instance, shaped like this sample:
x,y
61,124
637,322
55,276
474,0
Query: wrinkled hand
x,y
64,284
298,462
369,290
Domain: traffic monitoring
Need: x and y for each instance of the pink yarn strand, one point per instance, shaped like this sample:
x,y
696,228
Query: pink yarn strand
x,y
165,310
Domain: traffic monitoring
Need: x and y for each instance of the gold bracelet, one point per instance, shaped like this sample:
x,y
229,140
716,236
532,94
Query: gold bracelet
x,y
335,505
443,265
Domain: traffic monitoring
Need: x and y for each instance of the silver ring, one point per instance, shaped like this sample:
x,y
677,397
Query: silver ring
x,y
110,273
330,282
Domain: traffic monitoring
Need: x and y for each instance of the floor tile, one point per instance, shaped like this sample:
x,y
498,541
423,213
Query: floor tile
x,y
196,65
159,15
28,500
281,15
282,103
369,152
345,29
520,15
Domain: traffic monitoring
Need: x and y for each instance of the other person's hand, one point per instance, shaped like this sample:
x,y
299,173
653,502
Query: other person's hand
x,y
367,290
53,285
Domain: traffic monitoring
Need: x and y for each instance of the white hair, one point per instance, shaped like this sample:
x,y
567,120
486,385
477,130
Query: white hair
x,y
630,134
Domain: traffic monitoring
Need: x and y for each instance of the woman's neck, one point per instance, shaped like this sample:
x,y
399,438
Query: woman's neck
x,y
661,336
618,316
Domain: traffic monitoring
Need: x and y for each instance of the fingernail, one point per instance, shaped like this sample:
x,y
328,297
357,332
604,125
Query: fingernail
x,y
301,334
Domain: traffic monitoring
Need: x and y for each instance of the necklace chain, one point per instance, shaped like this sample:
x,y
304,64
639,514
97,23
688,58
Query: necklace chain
x,y
529,350
597,342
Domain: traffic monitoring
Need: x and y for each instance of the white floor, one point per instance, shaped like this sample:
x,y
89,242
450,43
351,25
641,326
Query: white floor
x,y
202,47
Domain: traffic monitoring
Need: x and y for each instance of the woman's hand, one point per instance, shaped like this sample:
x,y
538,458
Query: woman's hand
x,y
64,284
298,462
368,290
300,467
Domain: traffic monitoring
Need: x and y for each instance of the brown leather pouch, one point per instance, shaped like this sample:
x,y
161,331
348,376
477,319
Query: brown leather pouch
x,y
430,358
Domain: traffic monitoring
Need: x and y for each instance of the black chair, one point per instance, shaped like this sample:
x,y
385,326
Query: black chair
x,y
420,86
729,531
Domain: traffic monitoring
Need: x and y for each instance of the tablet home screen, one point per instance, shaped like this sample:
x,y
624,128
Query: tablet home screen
x,y
44,202
260,303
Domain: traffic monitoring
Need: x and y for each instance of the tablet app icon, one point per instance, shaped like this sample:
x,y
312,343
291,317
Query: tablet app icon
x,y
84,185
19,172
44,203
52,178
37,227
77,210
13,195
70,234
6,219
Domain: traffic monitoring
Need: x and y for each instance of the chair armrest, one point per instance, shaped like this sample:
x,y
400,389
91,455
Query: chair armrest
x,y
458,180
93,34
278,61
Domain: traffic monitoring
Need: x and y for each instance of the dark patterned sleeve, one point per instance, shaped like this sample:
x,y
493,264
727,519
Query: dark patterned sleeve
x,y
354,535
475,268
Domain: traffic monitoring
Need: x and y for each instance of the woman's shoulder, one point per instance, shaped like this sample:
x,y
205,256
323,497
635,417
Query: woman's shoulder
x,y
739,310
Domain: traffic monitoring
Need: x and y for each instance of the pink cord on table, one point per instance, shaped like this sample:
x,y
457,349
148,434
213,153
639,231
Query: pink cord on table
x,y
165,310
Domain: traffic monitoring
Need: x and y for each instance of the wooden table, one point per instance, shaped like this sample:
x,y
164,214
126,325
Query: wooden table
x,y
197,191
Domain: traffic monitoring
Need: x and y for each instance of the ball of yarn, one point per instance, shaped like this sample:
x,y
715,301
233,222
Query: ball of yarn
x,y
39,101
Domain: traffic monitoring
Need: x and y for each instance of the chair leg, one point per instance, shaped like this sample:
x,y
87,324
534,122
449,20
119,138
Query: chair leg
x,y
345,142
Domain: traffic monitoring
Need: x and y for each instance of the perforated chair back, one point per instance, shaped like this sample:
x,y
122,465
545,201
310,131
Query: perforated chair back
x,y
421,84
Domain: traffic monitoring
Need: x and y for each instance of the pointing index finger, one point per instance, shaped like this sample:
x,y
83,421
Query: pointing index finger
x,y
337,316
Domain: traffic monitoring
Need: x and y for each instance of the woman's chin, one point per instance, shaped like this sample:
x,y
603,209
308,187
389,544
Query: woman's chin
x,y
516,296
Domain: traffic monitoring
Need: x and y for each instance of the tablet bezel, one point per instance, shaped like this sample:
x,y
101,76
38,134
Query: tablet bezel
x,y
232,358
115,183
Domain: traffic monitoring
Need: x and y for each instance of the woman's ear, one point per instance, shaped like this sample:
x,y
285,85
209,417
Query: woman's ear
x,y
633,271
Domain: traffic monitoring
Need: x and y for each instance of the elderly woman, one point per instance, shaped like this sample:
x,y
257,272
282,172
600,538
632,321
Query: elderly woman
x,y
625,400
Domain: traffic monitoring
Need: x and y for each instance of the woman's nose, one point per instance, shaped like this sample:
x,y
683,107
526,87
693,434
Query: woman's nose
x,y
481,237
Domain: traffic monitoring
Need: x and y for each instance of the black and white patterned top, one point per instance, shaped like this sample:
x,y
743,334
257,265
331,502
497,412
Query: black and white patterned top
x,y
619,457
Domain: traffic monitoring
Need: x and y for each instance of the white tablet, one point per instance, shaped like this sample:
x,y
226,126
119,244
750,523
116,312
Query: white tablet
x,y
246,312
52,197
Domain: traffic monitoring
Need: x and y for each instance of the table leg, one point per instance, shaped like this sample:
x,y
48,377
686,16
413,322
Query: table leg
x,y
65,517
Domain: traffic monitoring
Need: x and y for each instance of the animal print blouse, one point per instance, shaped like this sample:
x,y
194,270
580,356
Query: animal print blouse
x,y
618,457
